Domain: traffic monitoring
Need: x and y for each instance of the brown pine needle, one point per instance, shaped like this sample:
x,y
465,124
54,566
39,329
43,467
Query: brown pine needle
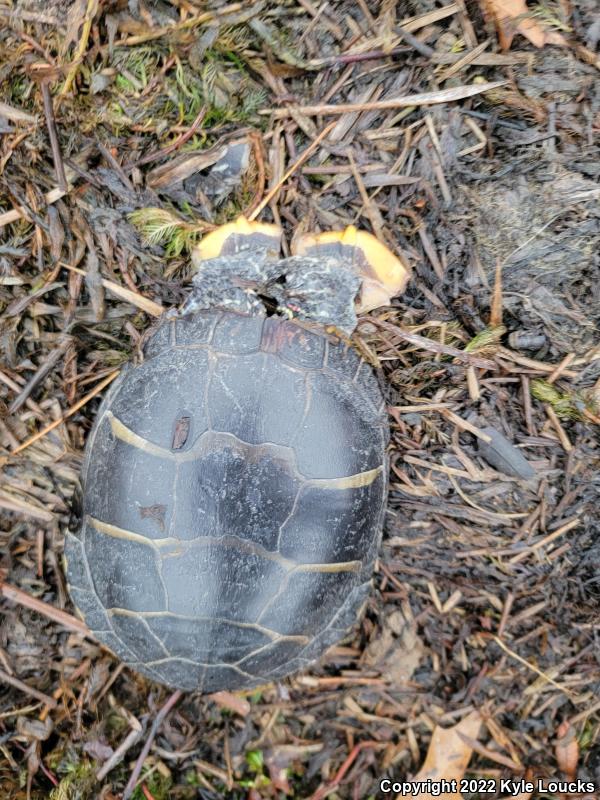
x,y
297,163
136,299
63,618
23,687
423,99
92,7
18,213
496,309
79,404
532,667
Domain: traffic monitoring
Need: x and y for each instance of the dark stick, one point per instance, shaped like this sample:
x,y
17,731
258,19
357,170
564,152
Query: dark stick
x,y
131,784
112,161
44,698
46,367
68,621
61,178
417,44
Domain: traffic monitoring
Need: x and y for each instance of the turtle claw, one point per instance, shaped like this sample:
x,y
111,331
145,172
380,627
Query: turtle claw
x,y
383,275
236,237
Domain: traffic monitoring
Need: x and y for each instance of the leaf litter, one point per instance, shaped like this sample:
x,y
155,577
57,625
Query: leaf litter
x,y
474,163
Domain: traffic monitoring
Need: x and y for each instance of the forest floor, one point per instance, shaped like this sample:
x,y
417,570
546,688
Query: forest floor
x,y
479,653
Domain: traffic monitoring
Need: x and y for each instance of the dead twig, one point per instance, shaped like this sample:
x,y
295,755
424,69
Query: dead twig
x,y
40,374
18,213
90,11
533,668
136,299
181,139
323,791
132,738
40,607
79,404
423,99
290,171
59,167
132,782
429,344
44,698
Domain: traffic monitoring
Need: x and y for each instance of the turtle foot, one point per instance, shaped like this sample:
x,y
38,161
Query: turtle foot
x,y
237,237
382,274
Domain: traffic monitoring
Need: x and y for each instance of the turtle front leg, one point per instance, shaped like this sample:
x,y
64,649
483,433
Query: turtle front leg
x,y
234,262
382,274
319,290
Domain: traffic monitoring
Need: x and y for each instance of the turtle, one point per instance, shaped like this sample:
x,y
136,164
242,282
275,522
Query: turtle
x,y
235,478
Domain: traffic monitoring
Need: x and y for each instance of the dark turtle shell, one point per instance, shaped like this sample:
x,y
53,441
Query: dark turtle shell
x,y
233,492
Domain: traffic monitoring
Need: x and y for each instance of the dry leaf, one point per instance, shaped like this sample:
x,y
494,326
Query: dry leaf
x,y
566,750
396,651
448,756
232,702
514,16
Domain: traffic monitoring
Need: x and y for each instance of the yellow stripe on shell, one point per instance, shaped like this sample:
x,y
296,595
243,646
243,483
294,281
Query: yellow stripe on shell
x,y
125,434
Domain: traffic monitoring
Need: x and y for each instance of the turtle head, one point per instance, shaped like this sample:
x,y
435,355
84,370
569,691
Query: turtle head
x,y
329,277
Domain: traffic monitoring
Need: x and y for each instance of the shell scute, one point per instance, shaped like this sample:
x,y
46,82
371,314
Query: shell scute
x,y
256,398
161,338
206,640
159,392
129,487
235,489
138,636
196,329
214,579
335,511
236,334
305,600
125,573
294,344
339,416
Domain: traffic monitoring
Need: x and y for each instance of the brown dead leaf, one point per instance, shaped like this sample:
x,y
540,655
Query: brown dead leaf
x,y
448,755
514,16
232,702
396,651
566,750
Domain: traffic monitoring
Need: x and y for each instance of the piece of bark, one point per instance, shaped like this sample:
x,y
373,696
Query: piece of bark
x,y
503,455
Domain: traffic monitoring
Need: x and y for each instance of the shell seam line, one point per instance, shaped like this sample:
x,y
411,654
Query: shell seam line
x,y
274,635
125,434
227,541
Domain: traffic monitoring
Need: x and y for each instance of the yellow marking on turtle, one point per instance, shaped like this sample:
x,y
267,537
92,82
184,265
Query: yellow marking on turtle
x,y
128,436
356,481
383,273
274,635
227,541
123,533
340,566
125,434
213,243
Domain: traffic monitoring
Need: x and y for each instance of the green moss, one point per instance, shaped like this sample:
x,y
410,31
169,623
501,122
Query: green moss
x,y
157,784
77,781
163,227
